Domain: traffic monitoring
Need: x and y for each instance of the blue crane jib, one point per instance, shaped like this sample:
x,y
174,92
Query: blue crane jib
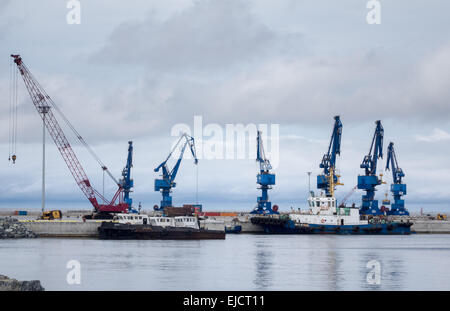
x,y
167,182
265,179
328,163
370,180
398,189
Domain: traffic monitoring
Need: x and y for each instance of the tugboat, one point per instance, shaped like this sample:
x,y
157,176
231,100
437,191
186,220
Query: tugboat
x,y
143,227
325,217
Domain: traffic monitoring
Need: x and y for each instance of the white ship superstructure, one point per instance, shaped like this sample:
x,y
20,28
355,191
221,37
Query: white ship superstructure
x,y
323,210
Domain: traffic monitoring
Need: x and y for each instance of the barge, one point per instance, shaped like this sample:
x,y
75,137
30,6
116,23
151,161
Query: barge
x,y
143,227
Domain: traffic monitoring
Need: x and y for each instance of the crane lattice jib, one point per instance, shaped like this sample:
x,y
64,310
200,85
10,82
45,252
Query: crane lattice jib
x,y
370,160
397,172
43,102
334,148
264,163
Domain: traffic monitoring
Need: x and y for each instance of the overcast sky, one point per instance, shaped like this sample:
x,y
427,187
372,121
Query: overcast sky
x,y
133,69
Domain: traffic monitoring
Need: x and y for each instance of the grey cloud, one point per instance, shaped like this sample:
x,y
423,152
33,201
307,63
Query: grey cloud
x,y
3,5
209,35
4,24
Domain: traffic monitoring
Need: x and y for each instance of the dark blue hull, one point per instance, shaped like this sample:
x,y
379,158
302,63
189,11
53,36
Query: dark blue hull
x,y
234,229
289,227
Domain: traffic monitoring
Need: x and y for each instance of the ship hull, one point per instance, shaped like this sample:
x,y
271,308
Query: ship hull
x,y
117,231
289,227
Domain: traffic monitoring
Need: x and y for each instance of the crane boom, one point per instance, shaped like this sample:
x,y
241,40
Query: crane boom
x,y
44,104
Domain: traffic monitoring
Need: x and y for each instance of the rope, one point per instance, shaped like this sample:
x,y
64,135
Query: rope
x,y
10,111
13,115
196,186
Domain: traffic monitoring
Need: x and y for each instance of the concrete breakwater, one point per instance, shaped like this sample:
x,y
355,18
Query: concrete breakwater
x,y
7,284
57,228
11,228
89,229
78,228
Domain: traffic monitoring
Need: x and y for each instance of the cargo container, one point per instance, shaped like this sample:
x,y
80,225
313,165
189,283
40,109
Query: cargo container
x,y
20,213
229,214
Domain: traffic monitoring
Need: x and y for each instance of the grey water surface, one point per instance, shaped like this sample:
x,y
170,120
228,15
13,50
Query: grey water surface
x,y
240,262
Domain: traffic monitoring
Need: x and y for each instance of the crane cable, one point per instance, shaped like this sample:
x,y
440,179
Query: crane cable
x,y
196,185
13,114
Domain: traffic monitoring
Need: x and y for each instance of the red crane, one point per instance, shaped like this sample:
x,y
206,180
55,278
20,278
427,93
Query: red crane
x,y
43,104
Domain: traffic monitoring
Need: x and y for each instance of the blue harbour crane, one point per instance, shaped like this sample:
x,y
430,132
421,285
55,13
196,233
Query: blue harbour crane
x,y
369,181
328,179
265,179
126,182
398,189
167,182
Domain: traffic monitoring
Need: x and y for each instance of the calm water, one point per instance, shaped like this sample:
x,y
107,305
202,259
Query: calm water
x,y
241,262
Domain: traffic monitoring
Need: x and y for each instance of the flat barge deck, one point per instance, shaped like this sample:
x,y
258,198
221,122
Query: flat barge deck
x,y
118,231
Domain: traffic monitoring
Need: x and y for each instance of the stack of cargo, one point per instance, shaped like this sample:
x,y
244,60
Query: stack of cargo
x,y
179,211
216,214
20,213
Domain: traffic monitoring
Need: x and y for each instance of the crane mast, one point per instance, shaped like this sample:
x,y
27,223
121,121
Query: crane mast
x,y
44,106
398,189
265,179
167,182
328,179
370,180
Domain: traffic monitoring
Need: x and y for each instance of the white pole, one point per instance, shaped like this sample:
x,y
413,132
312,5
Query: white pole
x,y
309,183
43,165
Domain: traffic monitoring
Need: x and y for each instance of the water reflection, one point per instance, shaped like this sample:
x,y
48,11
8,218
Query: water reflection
x,y
264,260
